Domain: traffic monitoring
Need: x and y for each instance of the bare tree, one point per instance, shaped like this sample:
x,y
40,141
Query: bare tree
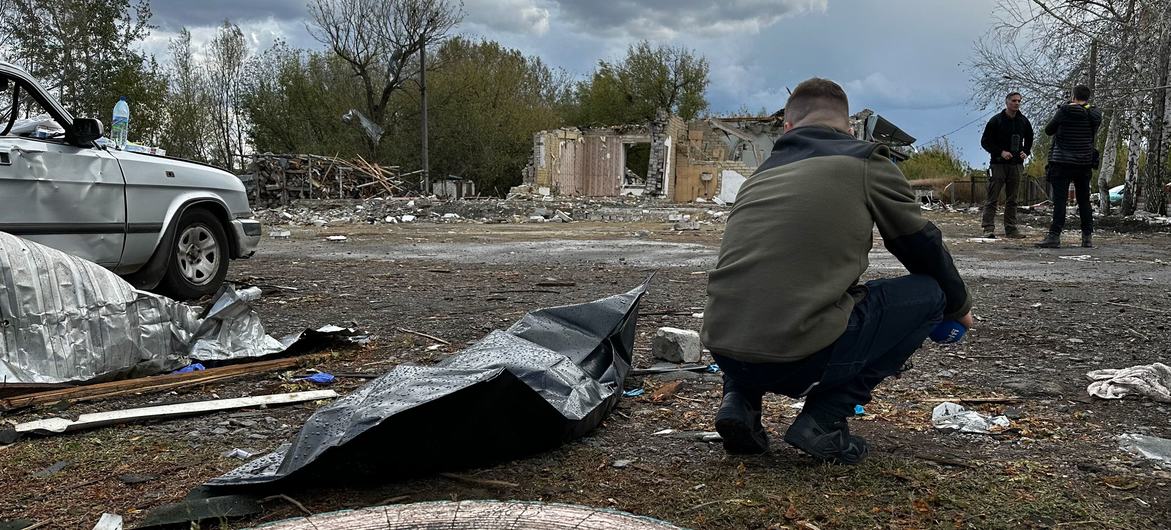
x,y
381,40
226,54
187,102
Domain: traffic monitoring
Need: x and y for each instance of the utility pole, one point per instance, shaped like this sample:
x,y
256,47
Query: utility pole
x,y
423,96
1092,80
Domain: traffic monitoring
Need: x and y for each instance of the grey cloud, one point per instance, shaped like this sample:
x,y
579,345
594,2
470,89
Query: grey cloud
x,y
511,16
668,18
172,14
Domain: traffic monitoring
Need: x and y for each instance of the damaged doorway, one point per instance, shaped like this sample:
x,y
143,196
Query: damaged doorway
x,y
637,157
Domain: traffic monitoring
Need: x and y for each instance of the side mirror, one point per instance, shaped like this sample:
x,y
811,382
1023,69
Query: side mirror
x,y
84,132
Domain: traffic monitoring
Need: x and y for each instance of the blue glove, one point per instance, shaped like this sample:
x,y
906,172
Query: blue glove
x,y
948,331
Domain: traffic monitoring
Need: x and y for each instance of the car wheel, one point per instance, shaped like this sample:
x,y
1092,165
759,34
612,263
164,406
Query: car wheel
x,y
199,256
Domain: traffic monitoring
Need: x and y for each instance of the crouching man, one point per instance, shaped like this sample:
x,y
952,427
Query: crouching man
x,y
786,312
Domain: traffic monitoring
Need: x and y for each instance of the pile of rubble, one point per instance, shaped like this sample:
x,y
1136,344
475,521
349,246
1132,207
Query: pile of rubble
x,y
278,180
394,210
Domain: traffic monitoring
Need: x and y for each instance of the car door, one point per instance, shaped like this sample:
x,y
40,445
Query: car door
x,y
67,197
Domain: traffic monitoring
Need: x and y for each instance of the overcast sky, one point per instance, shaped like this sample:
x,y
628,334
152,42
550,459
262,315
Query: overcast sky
x,y
903,58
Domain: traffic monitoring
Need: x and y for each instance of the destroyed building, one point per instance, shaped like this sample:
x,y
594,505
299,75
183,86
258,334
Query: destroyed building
x,y
707,159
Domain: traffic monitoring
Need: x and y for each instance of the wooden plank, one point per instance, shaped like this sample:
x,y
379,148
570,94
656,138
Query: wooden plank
x,y
156,383
100,419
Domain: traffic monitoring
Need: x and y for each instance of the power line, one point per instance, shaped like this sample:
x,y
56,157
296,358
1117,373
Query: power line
x,y
960,128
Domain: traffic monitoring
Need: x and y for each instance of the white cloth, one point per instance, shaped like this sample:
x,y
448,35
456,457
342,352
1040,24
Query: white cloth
x,y
1150,380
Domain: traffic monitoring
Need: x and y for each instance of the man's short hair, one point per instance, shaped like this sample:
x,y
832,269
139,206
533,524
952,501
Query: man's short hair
x,y
817,96
1011,94
1082,93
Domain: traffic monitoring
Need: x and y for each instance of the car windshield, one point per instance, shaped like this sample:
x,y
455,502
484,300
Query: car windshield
x,y
22,115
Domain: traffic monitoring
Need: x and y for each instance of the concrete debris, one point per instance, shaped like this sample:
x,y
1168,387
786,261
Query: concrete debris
x,y
336,239
685,225
676,345
334,213
280,234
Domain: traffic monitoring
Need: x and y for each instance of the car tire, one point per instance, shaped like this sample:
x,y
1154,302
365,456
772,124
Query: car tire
x,y
198,257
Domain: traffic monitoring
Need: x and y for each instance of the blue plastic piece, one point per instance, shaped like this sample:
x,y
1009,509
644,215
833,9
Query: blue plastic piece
x,y
321,378
193,367
713,368
634,392
858,410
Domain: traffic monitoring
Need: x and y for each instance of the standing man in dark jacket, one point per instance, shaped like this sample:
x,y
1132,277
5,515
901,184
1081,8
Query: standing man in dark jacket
x,y
786,313
1072,158
1008,138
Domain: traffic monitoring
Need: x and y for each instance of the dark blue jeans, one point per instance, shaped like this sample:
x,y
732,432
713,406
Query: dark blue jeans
x,y
885,328
1060,176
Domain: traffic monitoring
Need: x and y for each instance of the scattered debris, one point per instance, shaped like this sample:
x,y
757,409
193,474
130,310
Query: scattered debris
x,y
1149,380
238,453
949,416
634,392
109,521
336,239
677,345
1151,447
279,179
320,378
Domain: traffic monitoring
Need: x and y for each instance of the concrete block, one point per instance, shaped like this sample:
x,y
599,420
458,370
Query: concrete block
x,y
676,345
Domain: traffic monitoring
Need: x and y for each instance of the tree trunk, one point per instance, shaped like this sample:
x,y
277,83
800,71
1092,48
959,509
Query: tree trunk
x,y
1134,145
1157,154
1109,162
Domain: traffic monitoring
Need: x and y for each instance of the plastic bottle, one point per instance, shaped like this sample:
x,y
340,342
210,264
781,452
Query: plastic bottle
x,y
120,127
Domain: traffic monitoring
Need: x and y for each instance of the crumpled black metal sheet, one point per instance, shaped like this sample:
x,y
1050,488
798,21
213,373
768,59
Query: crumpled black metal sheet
x,y
553,376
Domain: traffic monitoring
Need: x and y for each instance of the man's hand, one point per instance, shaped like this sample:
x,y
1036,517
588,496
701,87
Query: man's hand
x,y
1024,155
1005,155
967,320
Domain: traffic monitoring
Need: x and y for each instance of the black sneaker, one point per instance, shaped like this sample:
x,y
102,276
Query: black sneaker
x,y
989,235
738,423
832,445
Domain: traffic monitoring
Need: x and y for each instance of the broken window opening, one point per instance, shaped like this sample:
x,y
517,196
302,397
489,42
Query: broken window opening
x,y
637,163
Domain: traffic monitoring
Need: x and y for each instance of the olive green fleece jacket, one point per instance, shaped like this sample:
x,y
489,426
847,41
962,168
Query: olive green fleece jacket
x,y
797,241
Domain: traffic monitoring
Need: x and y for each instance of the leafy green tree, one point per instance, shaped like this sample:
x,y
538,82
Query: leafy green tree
x,y
485,103
84,52
937,161
646,81
294,102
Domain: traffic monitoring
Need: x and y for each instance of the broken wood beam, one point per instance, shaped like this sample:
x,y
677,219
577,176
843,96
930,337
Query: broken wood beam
x,y
51,426
156,383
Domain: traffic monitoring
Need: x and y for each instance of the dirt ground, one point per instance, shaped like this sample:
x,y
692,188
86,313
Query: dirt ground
x,y
1046,317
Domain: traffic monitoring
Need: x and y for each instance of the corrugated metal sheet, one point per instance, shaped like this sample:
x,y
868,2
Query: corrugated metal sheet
x,y
64,319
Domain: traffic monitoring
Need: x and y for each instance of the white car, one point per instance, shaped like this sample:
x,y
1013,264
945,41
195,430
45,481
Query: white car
x,y
160,222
